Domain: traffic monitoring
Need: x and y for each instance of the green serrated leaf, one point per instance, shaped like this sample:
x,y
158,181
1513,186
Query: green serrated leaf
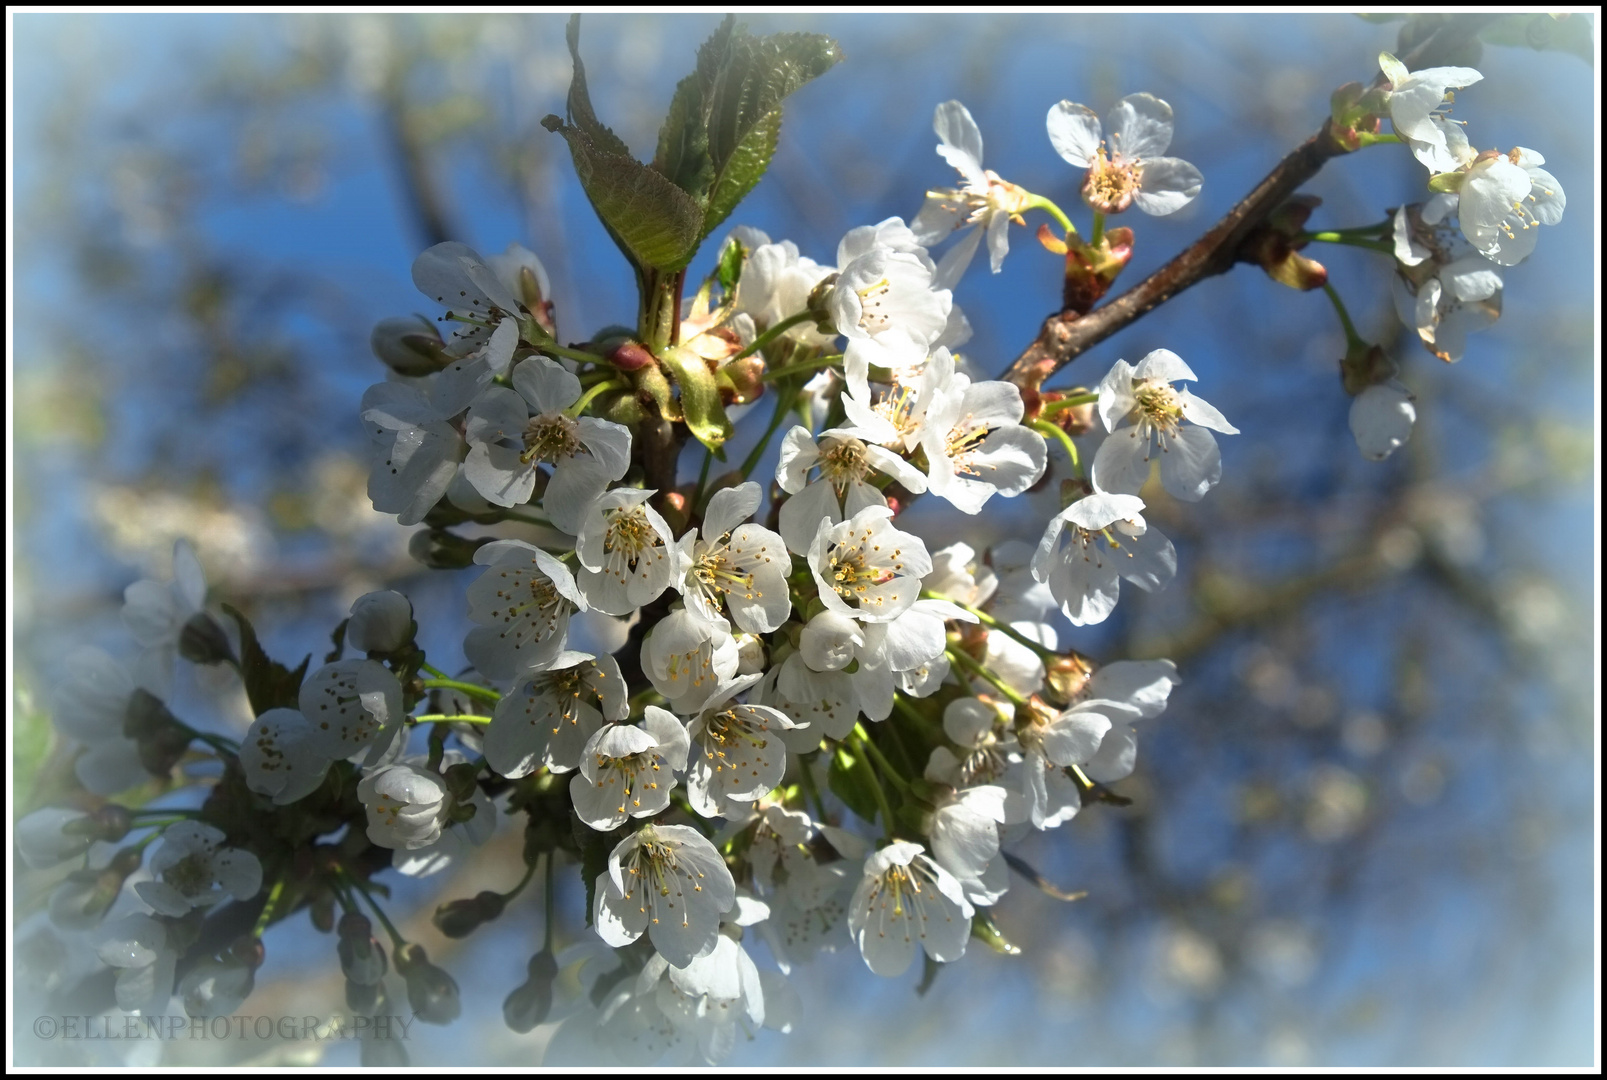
x,y
579,104
745,109
849,785
743,169
701,406
683,141
269,684
655,223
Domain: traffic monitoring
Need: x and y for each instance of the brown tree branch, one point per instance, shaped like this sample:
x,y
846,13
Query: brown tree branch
x,y
1065,335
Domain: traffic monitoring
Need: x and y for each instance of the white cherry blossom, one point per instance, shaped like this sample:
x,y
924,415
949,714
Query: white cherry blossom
x,y
511,433
407,804
477,299
352,705
155,612
1133,170
984,204
905,899
379,622
1381,418
1504,199
669,882
975,444
867,569
548,719
964,829
737,753
282,756
844,462
414,452
688,658
53,835
526,598
139,947
627,553
890,296
733,564
191,868
776,283
1125,692
1141,409
628,771
90,706
822,702
1107,540
1418,102
1443,287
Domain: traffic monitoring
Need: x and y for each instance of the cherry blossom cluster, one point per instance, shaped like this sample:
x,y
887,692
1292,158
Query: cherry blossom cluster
x,y
810,726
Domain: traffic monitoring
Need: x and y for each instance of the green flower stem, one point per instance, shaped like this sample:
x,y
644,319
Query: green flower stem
x,y
993,624
1353,340
1382,246
443,718
554,349
166,816
808,365
269,908
397,940
808,779
586,399
863,743
903,706
964,660
342,895
1044,427
1375,231
771,334
1099,229
530,872
784,401
216,742
1038,202
484,693
861,761
1372,138
1090,397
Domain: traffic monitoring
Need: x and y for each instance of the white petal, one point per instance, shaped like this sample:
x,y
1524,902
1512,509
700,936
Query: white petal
x,y
1121,464
1140,127
962,141
1167,185
546,384
1074,132
1191,464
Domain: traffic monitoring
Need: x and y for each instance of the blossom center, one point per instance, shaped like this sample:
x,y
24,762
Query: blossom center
x,y
630,535
1111,184
550,437
191,875
844,464
629,772
1159,405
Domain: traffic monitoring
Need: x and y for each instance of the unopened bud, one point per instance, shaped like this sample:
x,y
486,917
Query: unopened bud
x,y
84,897
161,739
531,1001
362,958
741,381
431,992
442,550
409,345
202,641
631,356
1067,675
362,997
817,304
460,918
1365,365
